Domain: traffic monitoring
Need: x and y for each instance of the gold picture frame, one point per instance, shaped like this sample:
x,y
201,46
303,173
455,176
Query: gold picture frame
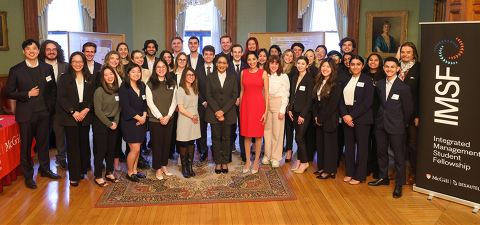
x,y
4,30
398,21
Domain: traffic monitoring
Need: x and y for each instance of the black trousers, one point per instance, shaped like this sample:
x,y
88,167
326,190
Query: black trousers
x,y
327,151
77,150
372,160
202,141
356,135
340,142
105,139
233,135
288,133
310,139
396,142
411,147
173,140
118,153
221,142
160,137
38,127
300,130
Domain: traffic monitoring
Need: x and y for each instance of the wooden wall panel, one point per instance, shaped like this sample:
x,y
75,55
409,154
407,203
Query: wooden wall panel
x,y
232,20
30,14
101,16
354,21
463,10
169,23
292,16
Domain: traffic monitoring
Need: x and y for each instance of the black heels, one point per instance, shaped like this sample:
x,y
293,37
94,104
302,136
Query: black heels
x,y
75,184
104,184
132,178
218,171
318,173
290,159
326,177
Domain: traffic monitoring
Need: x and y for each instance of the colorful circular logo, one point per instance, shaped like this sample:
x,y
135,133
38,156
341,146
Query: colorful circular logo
x,y
449,50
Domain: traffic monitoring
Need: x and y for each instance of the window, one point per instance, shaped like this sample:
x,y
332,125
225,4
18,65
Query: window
x,y
324,11
198,22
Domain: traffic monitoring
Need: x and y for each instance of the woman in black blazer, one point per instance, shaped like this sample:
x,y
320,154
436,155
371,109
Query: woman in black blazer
x,y
288,65
75,101
326,95
299,110
355,108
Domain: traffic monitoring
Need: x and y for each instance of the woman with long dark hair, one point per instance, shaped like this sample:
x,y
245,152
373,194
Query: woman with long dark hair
x,y
122,49
137,58
74,104
326,95
105,124
133,117
161,99
167,55
262,58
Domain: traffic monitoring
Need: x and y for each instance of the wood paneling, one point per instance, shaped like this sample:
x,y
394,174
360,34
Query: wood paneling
x,y
169,23
354,21
463,10
232,20
292,16
101,16
30,13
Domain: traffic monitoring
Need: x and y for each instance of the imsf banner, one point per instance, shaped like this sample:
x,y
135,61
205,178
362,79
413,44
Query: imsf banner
x,y
448,160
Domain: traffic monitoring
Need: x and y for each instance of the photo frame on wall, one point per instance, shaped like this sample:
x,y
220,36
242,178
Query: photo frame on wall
x,y
386,31
4,32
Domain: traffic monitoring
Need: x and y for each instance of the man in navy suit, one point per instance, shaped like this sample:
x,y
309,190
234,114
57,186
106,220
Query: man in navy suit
x,y
236,67
32,84
396,108
196,60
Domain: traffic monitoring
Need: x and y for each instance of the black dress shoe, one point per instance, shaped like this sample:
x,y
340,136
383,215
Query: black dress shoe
x,y
63,164
225,170
203,157
30,184
318,173
132,178
326,177
218,171
379,182
49,174
140,175
397,192
74,184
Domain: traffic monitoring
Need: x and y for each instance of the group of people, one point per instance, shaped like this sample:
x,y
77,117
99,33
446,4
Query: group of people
x,y
329,101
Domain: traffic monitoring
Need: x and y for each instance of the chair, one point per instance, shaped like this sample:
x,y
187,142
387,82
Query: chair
x,y
8,105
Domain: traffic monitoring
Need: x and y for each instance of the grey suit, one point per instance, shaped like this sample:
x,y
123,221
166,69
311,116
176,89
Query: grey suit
x,y
57,128
221,98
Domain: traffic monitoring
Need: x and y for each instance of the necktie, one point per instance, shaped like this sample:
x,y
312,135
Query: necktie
x,y
208,70
238,69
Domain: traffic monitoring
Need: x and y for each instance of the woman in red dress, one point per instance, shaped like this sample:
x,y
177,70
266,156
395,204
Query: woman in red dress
x,y
253,107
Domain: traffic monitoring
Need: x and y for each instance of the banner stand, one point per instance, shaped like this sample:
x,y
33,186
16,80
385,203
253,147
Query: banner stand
x,y
432,194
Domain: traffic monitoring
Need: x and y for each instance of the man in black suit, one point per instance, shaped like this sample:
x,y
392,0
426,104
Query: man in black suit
x,y
196,60
150,47
52,53
202,73
32,84
236,67
89,49
226,43
396,108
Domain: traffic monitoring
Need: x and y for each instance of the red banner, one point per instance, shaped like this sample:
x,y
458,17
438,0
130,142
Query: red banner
x,y
9,145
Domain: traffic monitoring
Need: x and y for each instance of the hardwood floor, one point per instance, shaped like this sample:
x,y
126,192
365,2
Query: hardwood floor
x,y
329,201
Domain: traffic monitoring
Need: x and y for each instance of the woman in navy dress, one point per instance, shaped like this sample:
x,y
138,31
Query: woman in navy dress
x,y
134,114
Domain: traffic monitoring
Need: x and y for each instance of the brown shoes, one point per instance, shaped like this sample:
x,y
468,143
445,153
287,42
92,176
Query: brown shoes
x,y
393,175
411,179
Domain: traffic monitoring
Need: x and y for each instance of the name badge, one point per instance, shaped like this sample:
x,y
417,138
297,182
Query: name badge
x,y
171,88
412,78
395,96
49,78
143,97
360,84
301,88
117,98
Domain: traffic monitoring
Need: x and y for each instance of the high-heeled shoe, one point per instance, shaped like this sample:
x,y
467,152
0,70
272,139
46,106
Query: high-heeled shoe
x,y
167,173
75,184
248,168
326,177
159,177
104,184
294,169
132,177
290,159
113,180
301,171
318,173
140,175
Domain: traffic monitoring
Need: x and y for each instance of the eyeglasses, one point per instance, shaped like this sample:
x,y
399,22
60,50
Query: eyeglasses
x,y
190,75
51,50
182,60
77,62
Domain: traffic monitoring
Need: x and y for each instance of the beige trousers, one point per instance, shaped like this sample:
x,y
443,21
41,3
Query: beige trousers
x,y
274,130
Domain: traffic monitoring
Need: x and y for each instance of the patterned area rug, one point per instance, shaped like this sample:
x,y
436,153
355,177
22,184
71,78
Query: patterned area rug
x,y
269,184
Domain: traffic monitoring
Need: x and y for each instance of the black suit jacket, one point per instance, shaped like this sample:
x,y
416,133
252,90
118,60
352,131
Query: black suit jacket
x,y
62,68
313,70
326,110
343,74
200,61
395,111
231,68
20,82
221,98
202,84
412,79
301,100
362,104
68,100
96,67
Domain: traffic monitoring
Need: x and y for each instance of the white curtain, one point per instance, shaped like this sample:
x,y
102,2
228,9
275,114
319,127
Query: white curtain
x,y
308,17
43,25
181,24
341,14
87,21
219,23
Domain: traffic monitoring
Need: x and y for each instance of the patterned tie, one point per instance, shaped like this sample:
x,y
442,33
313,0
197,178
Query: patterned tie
x,y
208,70
238,69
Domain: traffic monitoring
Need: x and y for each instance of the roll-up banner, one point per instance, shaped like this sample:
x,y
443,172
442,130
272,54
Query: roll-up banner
x,y
448,160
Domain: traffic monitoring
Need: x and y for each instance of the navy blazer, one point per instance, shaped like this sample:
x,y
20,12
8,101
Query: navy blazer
x,y
412,79
221,98
326,110
202,83
231,68
396,110
131,103
200,61
20,82
362,103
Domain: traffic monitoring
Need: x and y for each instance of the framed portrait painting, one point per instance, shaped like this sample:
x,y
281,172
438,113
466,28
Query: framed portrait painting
x,y
4,32
386,31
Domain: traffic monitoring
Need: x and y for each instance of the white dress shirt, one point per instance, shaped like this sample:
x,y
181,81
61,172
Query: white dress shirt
x,y
30,65
388,86
279,86
349,91
320,89
206,69
151,105
80,90
222,77
150,64
193,61
91,67
55,70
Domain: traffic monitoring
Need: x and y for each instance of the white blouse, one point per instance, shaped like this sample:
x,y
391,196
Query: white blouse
x,y
279,86
320,89
349,91
80,89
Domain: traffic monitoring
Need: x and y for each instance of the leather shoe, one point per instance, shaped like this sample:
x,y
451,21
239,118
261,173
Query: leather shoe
x,y
393,175
132,178
63,164
411,179
379,182
30,184
203,157
397,192
49,174
140,175
225,170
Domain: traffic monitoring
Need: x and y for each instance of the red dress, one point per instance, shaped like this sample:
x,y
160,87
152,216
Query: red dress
x,y
252,106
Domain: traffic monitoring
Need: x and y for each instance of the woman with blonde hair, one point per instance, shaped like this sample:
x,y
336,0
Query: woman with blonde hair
x,y
289,68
